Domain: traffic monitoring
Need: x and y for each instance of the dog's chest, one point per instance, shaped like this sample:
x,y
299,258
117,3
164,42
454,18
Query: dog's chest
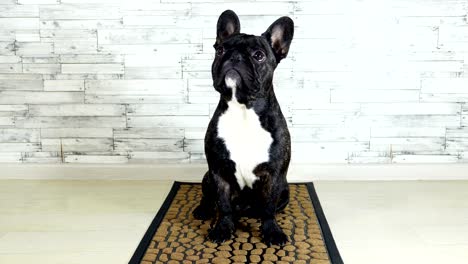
x,y
246,140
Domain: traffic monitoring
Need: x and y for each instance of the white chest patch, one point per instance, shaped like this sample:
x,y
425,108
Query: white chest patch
x,y
245,138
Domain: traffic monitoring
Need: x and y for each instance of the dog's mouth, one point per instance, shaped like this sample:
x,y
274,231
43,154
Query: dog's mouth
x,y
232,79
236,81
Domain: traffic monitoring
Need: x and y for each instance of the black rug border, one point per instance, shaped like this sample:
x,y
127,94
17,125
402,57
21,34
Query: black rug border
x,y
146,240
333,252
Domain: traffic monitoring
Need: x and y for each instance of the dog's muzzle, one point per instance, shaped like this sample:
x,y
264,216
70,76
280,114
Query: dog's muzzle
x,y
232,79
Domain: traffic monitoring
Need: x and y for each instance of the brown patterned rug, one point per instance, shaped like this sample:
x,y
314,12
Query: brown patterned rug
x,y
175,236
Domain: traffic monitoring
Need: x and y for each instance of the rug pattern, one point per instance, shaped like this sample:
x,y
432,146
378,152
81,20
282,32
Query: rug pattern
x,y
182,239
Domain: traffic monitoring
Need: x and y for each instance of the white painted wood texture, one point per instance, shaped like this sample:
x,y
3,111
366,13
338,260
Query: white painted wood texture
x,y
102,81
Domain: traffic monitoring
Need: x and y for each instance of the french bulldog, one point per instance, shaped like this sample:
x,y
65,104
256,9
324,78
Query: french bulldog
x,y
247,143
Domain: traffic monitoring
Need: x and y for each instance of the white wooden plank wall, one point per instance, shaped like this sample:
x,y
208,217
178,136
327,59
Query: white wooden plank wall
x,y
102,81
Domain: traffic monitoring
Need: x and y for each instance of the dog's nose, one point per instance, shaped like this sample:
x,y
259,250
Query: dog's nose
x,y
236,57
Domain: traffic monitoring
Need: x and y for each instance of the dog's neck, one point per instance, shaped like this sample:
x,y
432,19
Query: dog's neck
x,y
261,103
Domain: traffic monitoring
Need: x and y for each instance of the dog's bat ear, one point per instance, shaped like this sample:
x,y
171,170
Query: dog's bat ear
x,y
279,35
228,24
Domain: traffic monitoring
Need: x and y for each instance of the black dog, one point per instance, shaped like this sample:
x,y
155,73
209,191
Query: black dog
x,y
247,143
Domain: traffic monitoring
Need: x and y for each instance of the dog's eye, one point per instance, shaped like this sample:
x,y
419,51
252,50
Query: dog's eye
x,y
259,55
219,51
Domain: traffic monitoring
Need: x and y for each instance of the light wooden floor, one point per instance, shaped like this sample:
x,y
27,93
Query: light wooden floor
x,y
102,221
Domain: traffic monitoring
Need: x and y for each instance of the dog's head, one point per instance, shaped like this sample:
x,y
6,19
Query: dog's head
x,y
244,64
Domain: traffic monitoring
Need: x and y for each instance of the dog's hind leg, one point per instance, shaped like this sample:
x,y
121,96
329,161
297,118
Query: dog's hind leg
x,y
206,209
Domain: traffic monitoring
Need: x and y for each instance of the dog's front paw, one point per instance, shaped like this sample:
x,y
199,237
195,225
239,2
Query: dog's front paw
x,y
273,235
221,232
203,213
277,237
